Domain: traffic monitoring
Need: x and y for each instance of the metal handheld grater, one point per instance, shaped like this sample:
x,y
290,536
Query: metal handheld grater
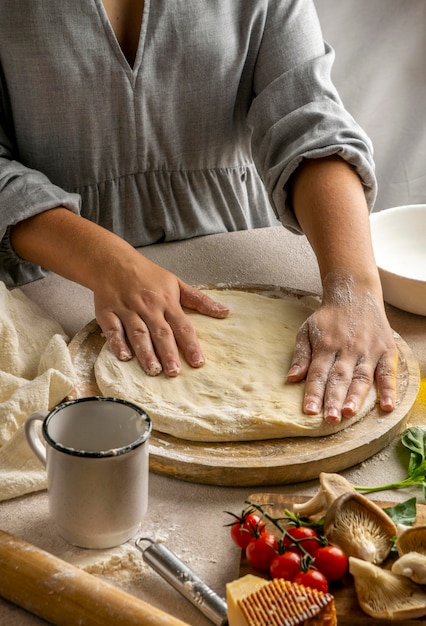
x,y
183,579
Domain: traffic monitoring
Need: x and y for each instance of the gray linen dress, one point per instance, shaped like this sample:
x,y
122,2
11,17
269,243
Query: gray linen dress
x,y
200,136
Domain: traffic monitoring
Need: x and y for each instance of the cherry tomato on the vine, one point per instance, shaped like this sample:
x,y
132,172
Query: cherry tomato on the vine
x,y
246,527
312,578
285,565
305,536
331,561
261,550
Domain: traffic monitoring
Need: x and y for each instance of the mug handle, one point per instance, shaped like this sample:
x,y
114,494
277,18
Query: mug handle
x,y
32,437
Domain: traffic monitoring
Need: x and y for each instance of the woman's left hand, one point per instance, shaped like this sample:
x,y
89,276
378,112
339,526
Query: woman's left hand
x,y
342,349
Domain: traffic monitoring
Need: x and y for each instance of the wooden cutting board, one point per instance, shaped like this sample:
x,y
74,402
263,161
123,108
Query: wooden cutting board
x,y
270,462
348,610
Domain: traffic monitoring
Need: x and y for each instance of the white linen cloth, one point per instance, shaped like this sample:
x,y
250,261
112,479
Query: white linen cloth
x,y
36,373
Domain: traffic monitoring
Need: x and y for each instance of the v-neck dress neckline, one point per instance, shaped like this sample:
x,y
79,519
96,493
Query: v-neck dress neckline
x,y
176,146
131,70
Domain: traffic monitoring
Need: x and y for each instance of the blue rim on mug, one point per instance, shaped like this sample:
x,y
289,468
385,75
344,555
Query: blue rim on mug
x,y
102,454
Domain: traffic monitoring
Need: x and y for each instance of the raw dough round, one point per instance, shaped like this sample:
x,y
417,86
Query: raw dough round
x,y
240,394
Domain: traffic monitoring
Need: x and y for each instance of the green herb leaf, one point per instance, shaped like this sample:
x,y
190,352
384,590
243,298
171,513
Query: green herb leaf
x,y
403,512
415,464
414,439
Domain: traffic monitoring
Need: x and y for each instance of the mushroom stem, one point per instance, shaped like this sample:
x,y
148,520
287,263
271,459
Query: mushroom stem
x,y
331,487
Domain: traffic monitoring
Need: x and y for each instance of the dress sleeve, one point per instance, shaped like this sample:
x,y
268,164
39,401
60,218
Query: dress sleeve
x,y
24,192
296,111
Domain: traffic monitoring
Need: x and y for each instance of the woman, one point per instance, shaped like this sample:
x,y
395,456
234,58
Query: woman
x,y
126,123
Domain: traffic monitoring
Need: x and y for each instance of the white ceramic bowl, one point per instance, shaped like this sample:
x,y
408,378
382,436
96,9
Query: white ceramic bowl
x,y
399,242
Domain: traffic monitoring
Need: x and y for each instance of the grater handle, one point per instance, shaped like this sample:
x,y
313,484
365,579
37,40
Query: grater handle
x,y
184,580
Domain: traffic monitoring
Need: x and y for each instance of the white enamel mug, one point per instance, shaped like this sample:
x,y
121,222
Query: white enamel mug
x,y
96,457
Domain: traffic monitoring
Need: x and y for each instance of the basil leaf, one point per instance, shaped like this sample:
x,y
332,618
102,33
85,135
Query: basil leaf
x,y
403,512
414,439
414,463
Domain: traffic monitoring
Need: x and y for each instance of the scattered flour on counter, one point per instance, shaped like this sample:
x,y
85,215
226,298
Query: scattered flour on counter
x,y
378,467
379,457
123,566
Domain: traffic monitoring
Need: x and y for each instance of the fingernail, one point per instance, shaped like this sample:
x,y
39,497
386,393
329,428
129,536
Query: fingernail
x,y
294,370
387,404
197,359
349,407
312,408
220,310
172,369
333,416
125,355
154,368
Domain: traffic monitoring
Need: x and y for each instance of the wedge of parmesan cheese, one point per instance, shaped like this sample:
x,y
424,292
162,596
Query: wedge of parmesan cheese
x,y
254,601
236,591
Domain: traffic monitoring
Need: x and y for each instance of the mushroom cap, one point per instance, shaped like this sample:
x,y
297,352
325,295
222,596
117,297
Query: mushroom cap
x,y
331,487
385,595
412,539
359,527
412,565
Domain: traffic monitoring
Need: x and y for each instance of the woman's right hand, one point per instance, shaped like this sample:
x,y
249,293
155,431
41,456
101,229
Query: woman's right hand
x,y
138,304
140,308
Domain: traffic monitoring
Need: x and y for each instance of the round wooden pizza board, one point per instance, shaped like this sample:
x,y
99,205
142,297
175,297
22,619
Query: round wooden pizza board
x,y
269,462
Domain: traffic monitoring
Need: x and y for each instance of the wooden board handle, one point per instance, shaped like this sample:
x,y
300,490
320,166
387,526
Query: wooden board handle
x,y
65,595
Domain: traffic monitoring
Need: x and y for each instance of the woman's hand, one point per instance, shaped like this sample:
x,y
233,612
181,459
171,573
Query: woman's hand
x,y
139,305
347,343
342,349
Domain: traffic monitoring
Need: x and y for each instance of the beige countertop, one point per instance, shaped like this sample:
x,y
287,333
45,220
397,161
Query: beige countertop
x,y
190,517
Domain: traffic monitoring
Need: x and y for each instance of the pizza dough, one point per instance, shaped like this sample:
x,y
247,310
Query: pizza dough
x,y
240,394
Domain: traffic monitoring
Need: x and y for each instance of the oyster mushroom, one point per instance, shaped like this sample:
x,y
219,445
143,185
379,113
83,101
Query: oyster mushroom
x,y
360,528
331,487
411,539
384,595
412,565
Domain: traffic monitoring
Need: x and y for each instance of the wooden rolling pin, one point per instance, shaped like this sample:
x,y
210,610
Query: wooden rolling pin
x,y
65,595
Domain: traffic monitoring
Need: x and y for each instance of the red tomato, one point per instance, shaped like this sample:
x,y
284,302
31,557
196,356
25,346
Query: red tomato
x,y
312,578
307,538
261,550
285,565
246,527
332,562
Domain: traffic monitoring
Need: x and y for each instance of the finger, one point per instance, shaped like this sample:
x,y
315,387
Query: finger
x,y
386,380
346,389
158,332
139,337
186,338
198,301
316,382
302,355
115,336
362,380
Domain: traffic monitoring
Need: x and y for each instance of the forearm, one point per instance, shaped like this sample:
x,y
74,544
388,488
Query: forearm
x,y
137,303
329,202
69,245
348,342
